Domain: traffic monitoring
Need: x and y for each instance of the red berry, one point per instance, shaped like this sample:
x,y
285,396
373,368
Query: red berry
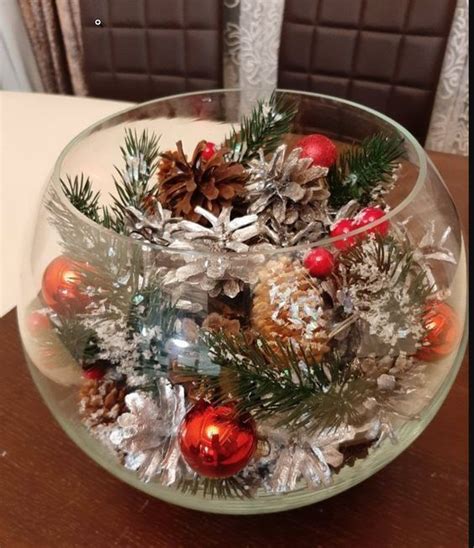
x,y
37,322
319,148
209,151
94,373
319,262
369,215
343,226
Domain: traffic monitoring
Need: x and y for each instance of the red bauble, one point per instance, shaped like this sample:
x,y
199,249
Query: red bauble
x,y
319,148
93,373
37,322
319,262
61,285
343,226
370,215
216,441
442,332
208,151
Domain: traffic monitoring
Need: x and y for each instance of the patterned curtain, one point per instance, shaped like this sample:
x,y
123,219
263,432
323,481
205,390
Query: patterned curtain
x,y
251,41
54,29
449,127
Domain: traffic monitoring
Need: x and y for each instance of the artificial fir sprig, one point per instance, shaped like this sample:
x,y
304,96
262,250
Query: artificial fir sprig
x,y
222,488
80,194
286,383
140,155
363,170
263,129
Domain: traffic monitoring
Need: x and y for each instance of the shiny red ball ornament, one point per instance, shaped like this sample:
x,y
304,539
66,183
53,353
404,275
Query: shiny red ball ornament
x,y
209,151
216,441
319,148
370,215
37,322
319,262
61,285
442,332
93,373
343,226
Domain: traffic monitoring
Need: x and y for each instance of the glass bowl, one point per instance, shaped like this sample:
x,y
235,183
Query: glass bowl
x,y
232,378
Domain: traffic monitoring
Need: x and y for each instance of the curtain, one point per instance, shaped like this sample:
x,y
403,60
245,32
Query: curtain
x,y
19,71
54,28
251,41
449,126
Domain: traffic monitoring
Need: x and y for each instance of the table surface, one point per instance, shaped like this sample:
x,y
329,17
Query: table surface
x,y
52,494
41,124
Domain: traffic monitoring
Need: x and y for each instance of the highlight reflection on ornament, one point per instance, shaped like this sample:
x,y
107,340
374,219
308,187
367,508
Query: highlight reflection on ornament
x,y
215,441
442,332
61,285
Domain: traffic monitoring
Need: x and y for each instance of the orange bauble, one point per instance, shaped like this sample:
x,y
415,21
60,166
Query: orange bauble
x,y
442,332
216,441
61,286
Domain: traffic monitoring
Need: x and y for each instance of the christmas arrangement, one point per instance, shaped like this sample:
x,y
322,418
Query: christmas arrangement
x,y
229,351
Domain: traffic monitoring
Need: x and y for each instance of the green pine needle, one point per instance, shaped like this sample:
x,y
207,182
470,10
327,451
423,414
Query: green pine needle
x,y
262,129
288,384
80,194
221,488
359,170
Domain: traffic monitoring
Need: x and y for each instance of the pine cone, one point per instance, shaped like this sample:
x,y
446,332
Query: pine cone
x,y
288,307
102,401
212,185
288,189
216,322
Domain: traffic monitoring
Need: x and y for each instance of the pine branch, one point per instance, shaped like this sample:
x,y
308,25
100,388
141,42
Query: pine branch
x,y
140,155
364,170
80,341
222,488
287,384
262,129
80,194
393,259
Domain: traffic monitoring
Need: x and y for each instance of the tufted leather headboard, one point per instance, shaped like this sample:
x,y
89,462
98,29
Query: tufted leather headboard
x,y
386,54
151,48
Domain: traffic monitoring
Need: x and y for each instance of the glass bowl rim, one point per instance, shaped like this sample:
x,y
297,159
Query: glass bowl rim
x,y
324,242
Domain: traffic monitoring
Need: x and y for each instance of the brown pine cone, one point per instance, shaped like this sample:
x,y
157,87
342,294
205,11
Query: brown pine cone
x,y
287,307
212,185
101,401
216,322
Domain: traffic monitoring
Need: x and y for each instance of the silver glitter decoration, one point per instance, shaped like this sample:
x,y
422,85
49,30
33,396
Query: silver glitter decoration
x,y
155,227
147,433
311,458
290,191
217,266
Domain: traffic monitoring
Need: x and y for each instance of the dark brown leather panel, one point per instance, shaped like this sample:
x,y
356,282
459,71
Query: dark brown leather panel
x,y
151,48
386,54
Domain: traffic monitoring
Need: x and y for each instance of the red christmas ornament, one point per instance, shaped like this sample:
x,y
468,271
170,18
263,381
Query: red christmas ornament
x,y
319,262
61,285
208,151
215,441
319,148
442,332
343,226
37,322
369,215
94,373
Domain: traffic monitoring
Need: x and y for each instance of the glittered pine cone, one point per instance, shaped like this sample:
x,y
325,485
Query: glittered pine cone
x,y
184,185
101,401
288,307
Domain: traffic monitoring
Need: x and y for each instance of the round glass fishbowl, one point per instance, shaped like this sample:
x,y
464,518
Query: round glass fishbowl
x,y
244,305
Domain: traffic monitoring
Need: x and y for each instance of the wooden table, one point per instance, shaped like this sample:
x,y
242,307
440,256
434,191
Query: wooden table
x,y
52,494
